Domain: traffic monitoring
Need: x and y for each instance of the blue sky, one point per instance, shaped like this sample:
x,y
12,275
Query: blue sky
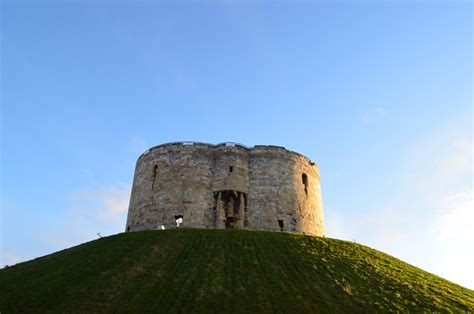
x,y
379,94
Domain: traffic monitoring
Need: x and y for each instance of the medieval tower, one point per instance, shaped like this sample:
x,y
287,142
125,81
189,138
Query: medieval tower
x,y
225,186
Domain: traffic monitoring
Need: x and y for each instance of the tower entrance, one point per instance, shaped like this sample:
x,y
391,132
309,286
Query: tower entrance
x,y
229,222
230,209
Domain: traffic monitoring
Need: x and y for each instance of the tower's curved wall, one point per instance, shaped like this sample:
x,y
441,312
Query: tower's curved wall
x,y
225,186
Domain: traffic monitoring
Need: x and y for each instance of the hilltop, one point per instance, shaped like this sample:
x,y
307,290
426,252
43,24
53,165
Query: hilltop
x,y
224,271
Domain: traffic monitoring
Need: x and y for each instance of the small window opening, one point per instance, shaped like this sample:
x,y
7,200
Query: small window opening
x,y
305,182
281,224
231,169
128,229
179,220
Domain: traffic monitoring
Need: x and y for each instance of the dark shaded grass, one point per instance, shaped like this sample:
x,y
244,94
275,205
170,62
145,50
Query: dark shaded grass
x,y
211,271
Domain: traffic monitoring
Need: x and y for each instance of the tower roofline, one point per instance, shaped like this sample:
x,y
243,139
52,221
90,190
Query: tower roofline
x,y
228,144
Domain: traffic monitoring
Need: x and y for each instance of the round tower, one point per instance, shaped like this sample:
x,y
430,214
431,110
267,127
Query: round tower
x,y
225,186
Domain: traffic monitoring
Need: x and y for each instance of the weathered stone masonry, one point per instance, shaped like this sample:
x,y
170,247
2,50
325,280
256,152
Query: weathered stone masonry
x,y
225,186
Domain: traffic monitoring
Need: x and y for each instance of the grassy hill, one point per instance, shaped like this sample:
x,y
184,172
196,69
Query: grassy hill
x,y
224,271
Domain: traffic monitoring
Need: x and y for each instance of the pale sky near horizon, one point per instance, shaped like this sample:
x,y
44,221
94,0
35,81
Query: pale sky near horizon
x,y
377,93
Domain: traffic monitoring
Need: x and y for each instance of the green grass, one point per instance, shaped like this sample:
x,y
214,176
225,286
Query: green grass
x,y
192,270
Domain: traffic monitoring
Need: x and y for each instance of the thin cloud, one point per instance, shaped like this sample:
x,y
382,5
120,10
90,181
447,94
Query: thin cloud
x,y
93,209
454,228
105,204
10,258
441,181
448,191
429,221
374,114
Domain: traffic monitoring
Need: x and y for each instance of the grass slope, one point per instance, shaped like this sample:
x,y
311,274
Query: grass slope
x,y
224,271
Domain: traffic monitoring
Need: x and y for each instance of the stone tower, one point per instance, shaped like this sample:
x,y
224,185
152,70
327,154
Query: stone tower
x,y
225,186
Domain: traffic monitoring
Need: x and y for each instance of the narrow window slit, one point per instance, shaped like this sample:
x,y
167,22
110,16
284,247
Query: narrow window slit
x,y
281,224
155,171
305,182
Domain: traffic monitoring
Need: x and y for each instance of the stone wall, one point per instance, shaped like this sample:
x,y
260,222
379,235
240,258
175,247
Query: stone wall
x,y
226,186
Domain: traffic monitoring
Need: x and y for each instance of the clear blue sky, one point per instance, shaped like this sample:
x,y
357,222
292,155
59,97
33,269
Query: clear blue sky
x,y
378,94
